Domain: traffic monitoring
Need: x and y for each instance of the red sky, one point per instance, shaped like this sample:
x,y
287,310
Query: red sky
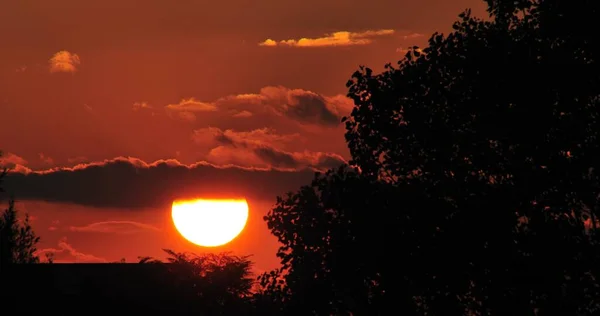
x,y
111,109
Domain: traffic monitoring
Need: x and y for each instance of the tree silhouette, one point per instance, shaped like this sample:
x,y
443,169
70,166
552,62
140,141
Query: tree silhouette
x,y
497,125
17,239
213,284
332,247
478,156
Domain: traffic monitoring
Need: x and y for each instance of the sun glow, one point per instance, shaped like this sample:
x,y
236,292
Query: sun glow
x,y
210,223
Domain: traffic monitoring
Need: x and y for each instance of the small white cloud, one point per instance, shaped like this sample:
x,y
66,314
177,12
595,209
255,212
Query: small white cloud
x,y
64,61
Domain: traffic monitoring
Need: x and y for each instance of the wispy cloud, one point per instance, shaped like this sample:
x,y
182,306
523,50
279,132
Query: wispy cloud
x,y
303,106
117,227
67,253
260,147
341,38
242,114
192,105
54,225
141,105
45,159
412,36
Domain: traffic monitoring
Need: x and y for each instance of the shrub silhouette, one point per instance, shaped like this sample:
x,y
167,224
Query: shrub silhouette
x,y
213,284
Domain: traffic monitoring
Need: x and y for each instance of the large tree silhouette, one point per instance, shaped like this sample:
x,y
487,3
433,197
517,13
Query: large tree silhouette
x,y
479,156
498,121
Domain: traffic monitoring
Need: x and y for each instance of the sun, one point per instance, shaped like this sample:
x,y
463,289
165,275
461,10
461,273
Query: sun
x,y
210,223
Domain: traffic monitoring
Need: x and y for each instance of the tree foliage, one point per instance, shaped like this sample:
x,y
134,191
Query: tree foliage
x,y
331,256
17,238
216,284
479,155
498,122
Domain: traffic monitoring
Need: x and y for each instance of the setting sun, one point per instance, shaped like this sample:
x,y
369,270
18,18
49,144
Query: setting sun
x,y
210,223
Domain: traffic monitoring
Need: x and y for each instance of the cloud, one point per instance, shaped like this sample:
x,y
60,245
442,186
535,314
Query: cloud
x,y
45,159
54,225
412,36
302,106
268,42
66,253
261,136
117,227
133,183
187,116
77,160
141,105
192,105
64,61
11,161
341,38
186,109
265,155
405,51
243,113
260,147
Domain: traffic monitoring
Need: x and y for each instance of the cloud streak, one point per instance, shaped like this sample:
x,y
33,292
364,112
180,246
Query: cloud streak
x,y
341,38
261,147
115,227
302,106
133,183
140,105
192,105
65,252
242,114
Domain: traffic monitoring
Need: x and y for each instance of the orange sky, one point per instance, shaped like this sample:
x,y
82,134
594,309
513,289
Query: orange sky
x,y
111,109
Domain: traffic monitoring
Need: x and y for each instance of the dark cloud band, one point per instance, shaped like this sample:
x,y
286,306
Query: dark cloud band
x,y
133,183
